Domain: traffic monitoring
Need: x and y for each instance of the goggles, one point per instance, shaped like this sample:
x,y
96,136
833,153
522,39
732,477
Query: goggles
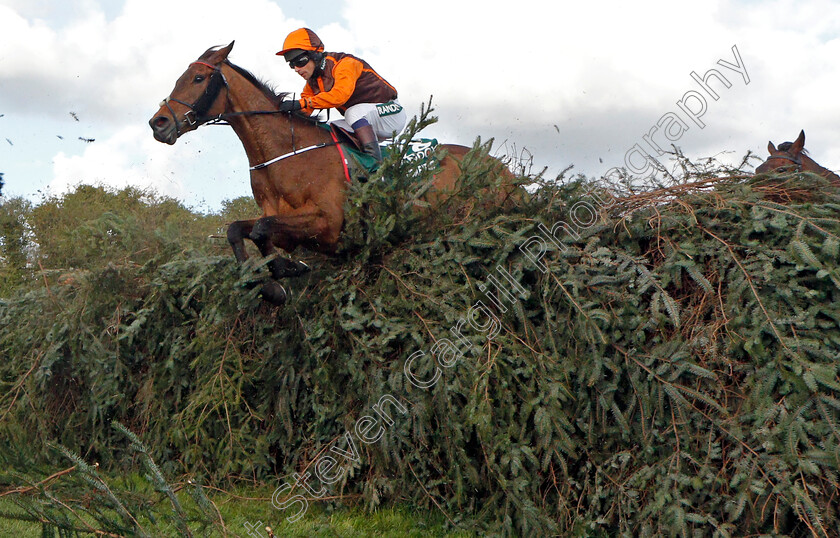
x,y
300,61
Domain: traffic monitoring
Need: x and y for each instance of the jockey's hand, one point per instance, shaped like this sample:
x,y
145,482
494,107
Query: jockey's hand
x,y
289,106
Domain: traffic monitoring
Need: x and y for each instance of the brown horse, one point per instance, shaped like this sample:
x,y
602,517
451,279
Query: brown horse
x,y
297,172
794,156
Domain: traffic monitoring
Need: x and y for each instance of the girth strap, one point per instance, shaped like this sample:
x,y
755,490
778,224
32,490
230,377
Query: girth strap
x,y
290,154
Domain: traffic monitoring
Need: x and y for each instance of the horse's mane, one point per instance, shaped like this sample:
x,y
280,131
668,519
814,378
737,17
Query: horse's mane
x,y
785,146
263,86
275,97
260,84
269,92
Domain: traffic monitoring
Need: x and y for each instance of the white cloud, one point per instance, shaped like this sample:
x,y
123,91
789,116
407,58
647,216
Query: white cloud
x,y
603,72
535,56
127,158
110,66
201,171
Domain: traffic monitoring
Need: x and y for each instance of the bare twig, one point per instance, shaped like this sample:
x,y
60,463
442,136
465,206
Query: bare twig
x,y
22,490
429,494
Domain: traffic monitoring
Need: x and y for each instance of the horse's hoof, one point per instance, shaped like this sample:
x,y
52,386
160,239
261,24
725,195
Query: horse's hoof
x,y
273,292
303,268
296,268
285,268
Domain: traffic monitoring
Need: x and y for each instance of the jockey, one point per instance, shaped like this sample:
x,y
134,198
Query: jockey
x,y
342,81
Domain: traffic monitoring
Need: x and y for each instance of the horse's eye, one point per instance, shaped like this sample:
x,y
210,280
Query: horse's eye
x,y
198,79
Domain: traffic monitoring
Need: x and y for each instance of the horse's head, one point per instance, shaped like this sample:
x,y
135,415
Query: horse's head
x,y
195,99
787,156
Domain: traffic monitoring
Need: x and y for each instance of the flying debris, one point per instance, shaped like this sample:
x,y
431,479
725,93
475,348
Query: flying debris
x,y
1,115
60,137
75,117
88,140
10,142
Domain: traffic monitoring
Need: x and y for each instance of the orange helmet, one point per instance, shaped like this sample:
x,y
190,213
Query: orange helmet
x,y
302,39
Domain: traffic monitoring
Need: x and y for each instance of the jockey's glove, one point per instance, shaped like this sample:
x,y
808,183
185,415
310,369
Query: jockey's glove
x,y
289,106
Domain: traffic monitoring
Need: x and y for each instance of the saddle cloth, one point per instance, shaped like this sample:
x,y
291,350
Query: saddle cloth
x,y
359,165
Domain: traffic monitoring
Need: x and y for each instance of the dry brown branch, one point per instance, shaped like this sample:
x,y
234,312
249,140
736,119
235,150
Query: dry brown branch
x,y
22,490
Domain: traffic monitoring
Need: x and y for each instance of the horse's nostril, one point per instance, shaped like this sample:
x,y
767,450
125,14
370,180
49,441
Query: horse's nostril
x,y
160,122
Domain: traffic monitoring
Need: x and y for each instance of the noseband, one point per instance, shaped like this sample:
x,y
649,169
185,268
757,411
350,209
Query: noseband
x,y
201,105
787,158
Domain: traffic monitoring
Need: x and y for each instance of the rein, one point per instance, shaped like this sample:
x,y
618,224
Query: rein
x,y
200,107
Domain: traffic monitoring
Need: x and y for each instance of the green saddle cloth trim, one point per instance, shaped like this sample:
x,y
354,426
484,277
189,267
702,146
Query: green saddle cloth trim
x,y
363,165
422,149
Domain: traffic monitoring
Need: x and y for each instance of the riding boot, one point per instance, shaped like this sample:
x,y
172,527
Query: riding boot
x,y
370,146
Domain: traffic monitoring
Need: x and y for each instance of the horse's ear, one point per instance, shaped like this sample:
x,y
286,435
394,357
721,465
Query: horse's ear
x,y
771,149
799,143
219,56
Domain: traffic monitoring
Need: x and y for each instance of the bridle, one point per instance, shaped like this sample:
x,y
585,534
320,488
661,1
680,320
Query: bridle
x,y
795,161
199,109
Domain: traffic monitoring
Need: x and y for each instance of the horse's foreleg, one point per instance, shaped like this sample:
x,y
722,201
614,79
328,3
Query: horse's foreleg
x,y
236,233
271,290
305,223
263,236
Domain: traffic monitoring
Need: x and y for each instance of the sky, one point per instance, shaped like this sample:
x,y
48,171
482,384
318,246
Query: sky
x,y
597,84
